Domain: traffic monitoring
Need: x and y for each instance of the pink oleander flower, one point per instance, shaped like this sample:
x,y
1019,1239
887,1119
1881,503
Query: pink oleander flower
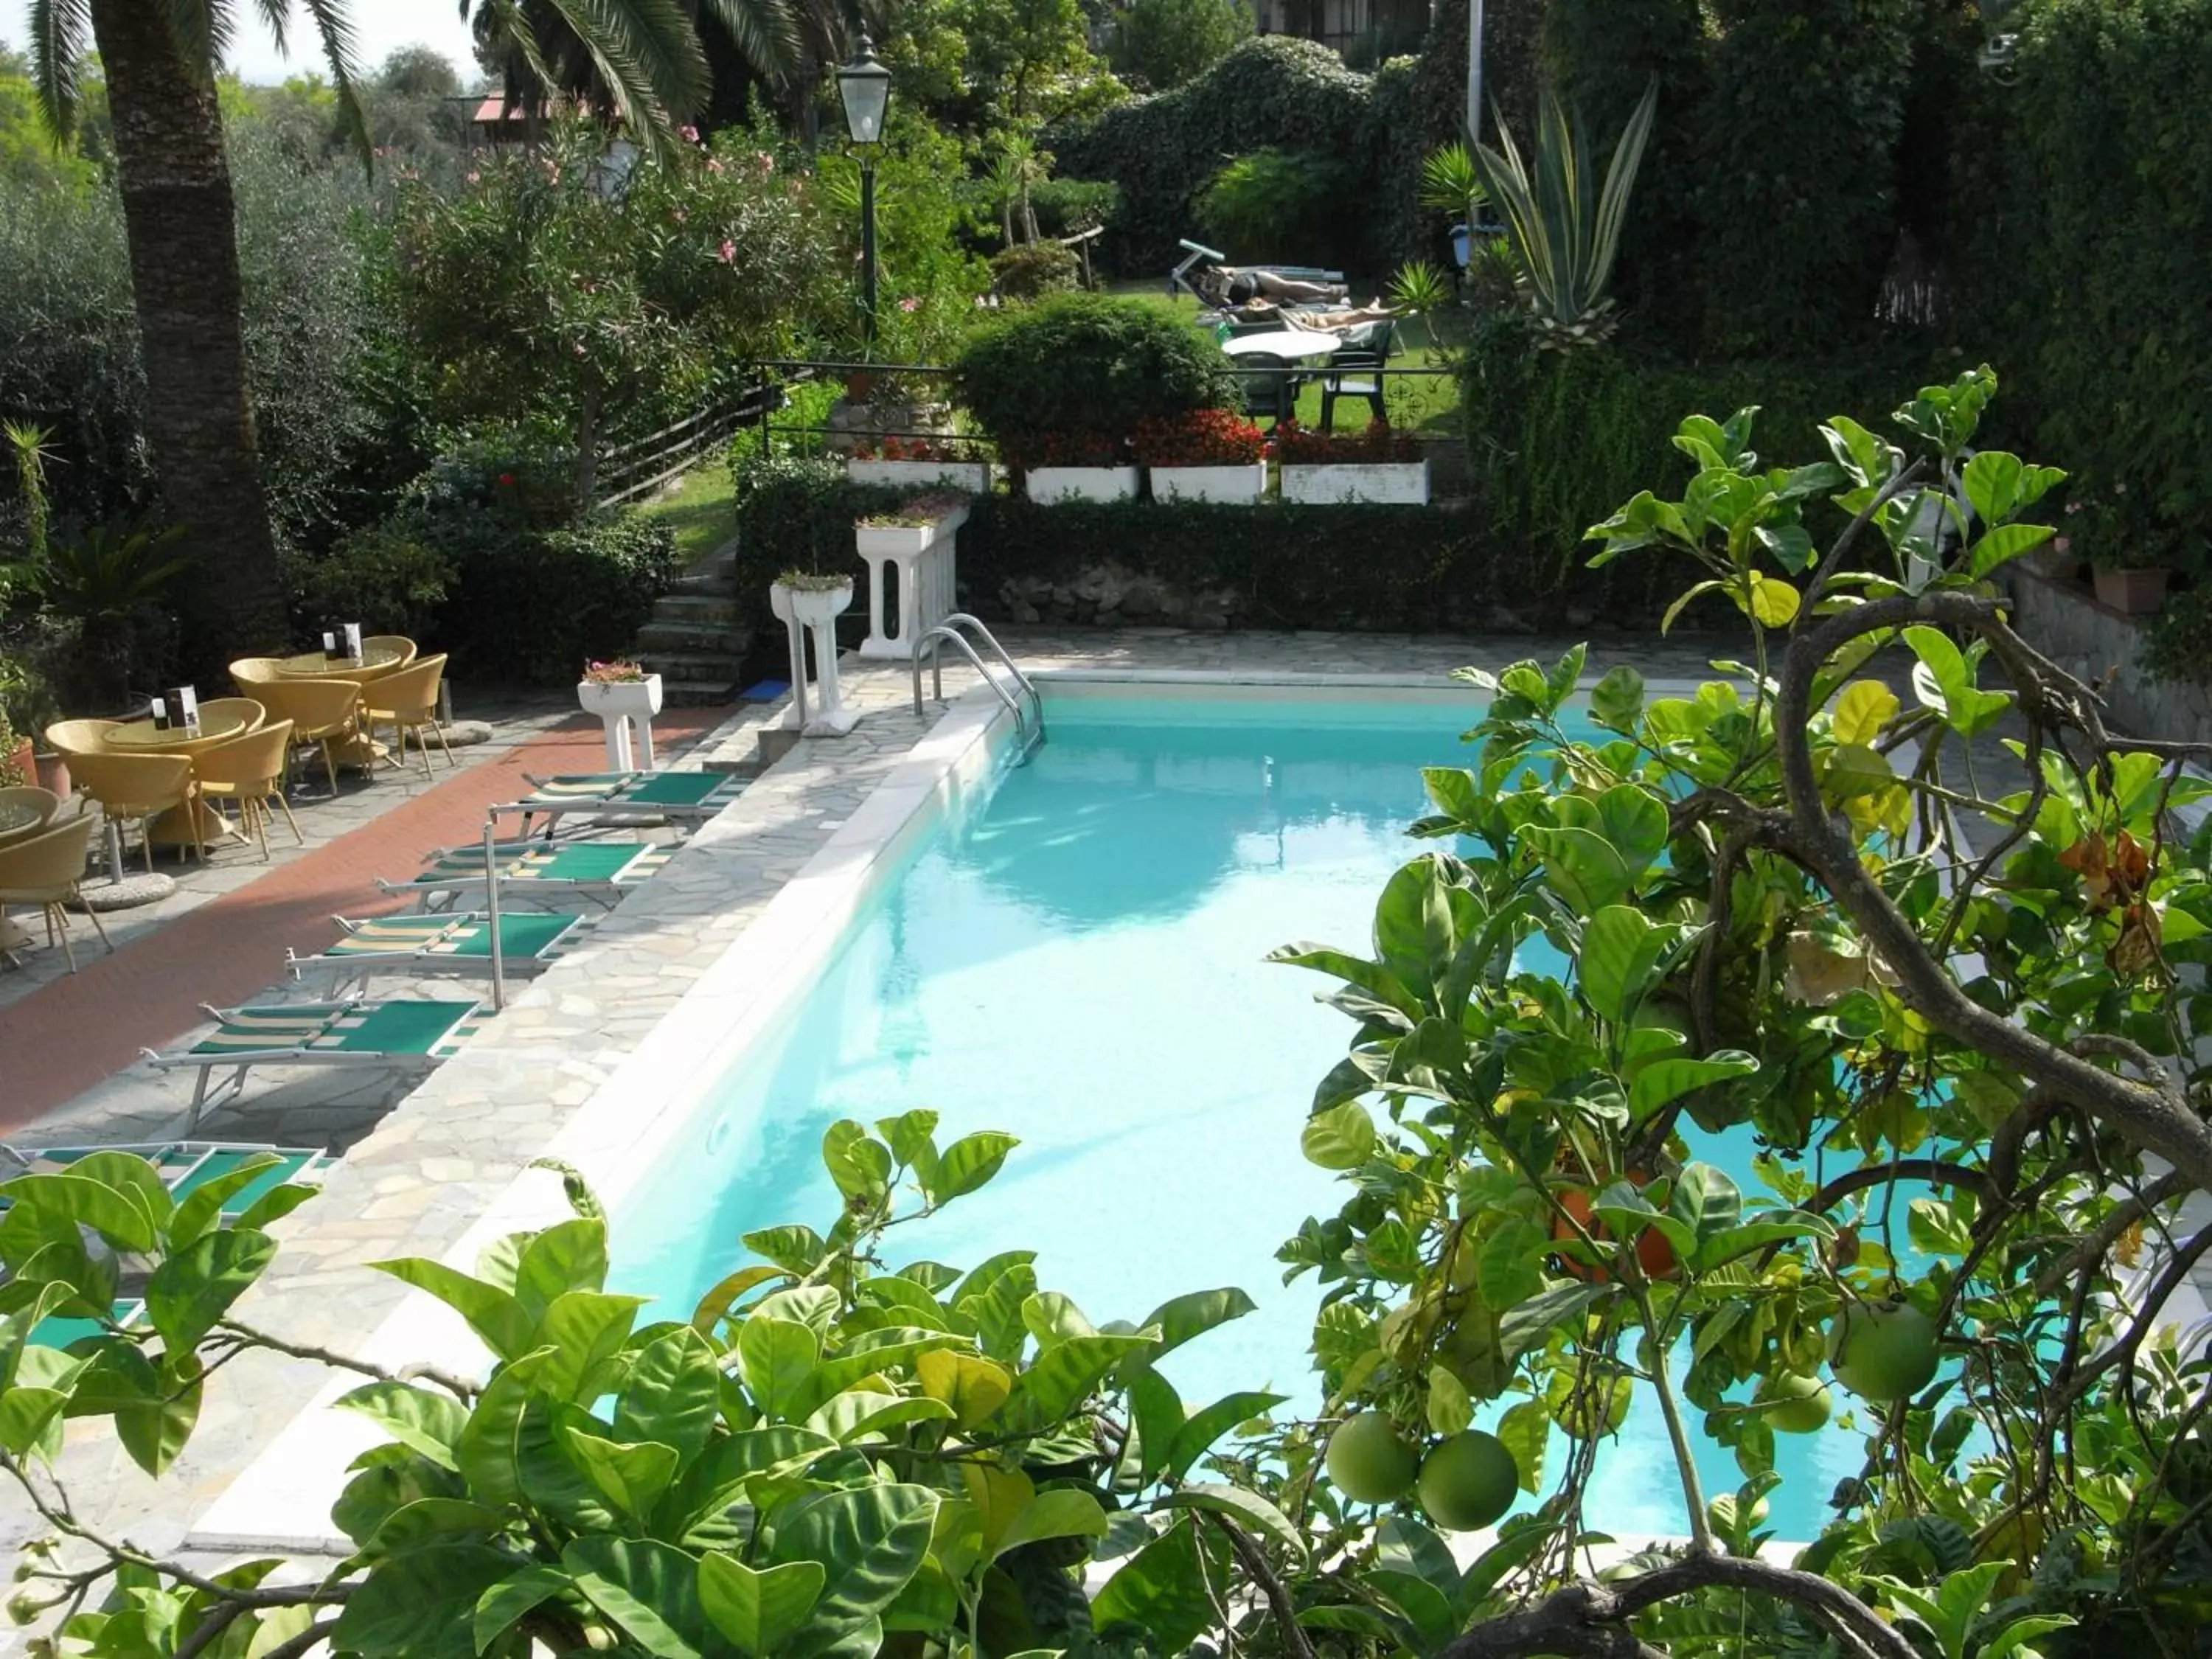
x,y
713,165
909,304
729,251
476,178
690,134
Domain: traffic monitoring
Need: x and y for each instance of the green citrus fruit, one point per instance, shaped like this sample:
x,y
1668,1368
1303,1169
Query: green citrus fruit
x,y
1882,1351
1468,1481
1368,1461
1795,1404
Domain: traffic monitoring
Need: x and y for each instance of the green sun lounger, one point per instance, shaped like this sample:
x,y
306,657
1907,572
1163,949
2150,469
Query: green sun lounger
x,y
456,943
689,798
534,869
402,1035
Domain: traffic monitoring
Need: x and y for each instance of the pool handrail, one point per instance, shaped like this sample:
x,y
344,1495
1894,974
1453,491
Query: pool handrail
x,y
951,629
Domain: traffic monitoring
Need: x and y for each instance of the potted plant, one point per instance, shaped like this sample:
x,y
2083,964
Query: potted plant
x,y
1204,455
2133,589
1063,385
1075,467
1381,465
811,598
921,539
918,521
909,463
618,688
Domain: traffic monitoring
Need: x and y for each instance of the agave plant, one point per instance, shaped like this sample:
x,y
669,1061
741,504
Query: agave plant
x,y
1565,228
1419,286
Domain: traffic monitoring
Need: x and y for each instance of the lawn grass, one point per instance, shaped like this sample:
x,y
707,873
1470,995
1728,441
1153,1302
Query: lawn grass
x,y
700,509
1428,403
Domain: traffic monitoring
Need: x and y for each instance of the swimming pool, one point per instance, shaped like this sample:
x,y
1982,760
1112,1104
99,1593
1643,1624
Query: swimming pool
x,y
1075,955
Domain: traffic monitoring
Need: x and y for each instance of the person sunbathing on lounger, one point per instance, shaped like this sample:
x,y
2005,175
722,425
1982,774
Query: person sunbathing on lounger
x,y
1237,285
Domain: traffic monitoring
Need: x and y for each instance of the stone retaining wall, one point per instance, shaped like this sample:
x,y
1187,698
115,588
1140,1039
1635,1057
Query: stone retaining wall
x,y
2066,624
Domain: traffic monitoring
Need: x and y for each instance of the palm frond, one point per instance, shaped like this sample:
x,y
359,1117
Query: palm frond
x,y
200,30
276,18
61,30
334,25
647,55
763,31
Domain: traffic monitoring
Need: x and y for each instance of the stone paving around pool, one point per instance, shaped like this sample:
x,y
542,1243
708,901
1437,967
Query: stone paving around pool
x,y
419,1173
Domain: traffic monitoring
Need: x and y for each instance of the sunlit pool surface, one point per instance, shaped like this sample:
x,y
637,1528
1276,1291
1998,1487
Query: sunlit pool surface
x,y
1077,958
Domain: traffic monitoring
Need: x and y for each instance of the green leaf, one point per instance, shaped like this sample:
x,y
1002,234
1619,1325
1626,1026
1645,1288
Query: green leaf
x,y
973,1387
1622,955
1663,1081
420,1603
195,1287
1339,1138
1247,1509
501,1604
423,1419
121,1214
586,1329
1052,1317
1526,1429
777,1356
908,1134
430,1520
2003,545
1528,1325
493,1314
1449,1409
859,1165
1509,1266
153,1434
1195,1436
1061,1512
569,1255
1162,1590
1863,709
798,1249
758,1611
1706,1200
870,1541
1616,702
967,1163
858,1414
649,1588
631,1478
201,1207
1180,1319
1063,1377
672,1393
487,1449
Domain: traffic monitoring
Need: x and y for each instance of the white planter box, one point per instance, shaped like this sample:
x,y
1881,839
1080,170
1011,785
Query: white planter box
x,y
974,477
819,710
1396,483
925,556
819,607
640,698
1082,484
1210,484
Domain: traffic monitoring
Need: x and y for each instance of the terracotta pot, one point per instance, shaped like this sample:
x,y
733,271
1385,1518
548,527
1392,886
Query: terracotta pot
x,y
2134,592
19,761
53,774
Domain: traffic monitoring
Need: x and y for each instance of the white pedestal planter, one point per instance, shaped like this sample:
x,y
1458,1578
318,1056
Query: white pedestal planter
x,y
1210,484
1082,484
822,712
927,557
625,706
1399,483
974,477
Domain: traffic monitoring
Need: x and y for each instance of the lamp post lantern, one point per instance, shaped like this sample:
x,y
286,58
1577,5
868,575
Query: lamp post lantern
x,y
863,87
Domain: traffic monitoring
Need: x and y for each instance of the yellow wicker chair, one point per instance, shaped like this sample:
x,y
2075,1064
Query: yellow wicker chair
x,y
249,770
45,869
250,674
407,648
216,710
407,701
73,737
44,802
321,712
139,787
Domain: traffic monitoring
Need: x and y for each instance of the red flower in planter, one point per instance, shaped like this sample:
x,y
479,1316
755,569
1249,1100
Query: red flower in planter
x,y
1201,437
1381,441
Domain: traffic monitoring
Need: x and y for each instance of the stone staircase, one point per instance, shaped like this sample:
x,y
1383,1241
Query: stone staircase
x,y
696,642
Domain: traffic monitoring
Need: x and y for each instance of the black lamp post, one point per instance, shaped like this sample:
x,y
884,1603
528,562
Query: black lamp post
x,y
864,86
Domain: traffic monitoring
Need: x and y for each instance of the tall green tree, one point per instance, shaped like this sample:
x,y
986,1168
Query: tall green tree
x,y
170,167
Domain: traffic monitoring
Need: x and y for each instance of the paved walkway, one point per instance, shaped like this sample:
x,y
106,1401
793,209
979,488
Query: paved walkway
x,y
69,1035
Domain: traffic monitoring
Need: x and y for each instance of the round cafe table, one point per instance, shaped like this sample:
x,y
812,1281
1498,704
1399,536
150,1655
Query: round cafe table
x,y
314,666
140,737
1295,344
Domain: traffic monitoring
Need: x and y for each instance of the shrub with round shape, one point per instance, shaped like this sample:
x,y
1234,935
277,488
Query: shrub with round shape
x,y
1468,1481
1368,1461
1883,1351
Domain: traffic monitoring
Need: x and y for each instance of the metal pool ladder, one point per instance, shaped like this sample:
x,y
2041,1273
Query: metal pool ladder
x,y
1023,703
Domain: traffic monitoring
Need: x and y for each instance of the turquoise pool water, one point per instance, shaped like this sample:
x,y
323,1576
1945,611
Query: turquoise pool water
x,y
1077,958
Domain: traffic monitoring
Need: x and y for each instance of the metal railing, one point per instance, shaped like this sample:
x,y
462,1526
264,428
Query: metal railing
x,y
638,467
1026,738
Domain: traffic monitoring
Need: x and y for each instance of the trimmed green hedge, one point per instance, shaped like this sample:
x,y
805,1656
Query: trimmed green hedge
x,y
1558,440
2080,238
1353,567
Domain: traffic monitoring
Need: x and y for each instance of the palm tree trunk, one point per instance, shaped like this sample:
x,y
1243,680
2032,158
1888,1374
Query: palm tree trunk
x,y
178,210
